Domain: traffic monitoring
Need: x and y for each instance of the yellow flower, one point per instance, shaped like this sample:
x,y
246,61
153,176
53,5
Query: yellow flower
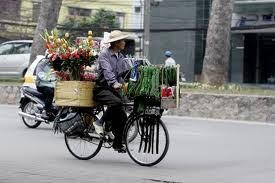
x,y
90,33
64,45
91,43
50,38
91,53
90,38
58,41
64,41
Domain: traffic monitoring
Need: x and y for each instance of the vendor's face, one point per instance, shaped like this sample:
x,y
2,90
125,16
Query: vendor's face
x,y
120,45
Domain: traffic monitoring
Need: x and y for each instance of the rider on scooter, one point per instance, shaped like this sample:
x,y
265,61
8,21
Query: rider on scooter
x,y
45,83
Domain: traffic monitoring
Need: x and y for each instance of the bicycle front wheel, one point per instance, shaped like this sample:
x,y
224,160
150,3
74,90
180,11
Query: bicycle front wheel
x,y
151,143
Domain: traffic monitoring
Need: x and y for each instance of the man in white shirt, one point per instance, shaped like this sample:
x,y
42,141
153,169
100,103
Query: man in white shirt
x,y
169,61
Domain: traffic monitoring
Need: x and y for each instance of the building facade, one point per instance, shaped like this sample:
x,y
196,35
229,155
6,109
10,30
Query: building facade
x,y
180,26
127,12
253,42
18,18
253,38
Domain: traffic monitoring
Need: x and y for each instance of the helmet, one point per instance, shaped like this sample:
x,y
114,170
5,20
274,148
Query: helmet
x,y
168,53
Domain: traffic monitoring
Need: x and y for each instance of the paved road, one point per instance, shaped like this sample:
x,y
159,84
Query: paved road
x,y
201,151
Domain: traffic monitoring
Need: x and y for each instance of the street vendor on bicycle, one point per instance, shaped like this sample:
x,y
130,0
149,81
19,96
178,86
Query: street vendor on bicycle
x,y
107,91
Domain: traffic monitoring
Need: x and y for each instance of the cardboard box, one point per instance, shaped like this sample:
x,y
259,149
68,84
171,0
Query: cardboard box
x,y
74,93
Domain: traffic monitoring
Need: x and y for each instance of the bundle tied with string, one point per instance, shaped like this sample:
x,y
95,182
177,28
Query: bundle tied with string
x,y
146,89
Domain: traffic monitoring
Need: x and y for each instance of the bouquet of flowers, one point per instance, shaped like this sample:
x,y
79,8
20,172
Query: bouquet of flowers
x,y
71,59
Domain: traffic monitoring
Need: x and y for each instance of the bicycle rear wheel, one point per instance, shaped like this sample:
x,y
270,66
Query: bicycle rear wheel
x,y
83,145
151,143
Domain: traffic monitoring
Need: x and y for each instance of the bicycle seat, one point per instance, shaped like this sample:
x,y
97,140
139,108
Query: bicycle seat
x,y
33,92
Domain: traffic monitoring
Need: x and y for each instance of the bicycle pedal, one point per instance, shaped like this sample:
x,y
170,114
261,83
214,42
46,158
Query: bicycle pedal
x,y
107,138
95,135
108,144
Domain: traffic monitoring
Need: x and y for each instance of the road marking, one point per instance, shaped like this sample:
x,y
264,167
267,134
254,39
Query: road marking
x,y
164,181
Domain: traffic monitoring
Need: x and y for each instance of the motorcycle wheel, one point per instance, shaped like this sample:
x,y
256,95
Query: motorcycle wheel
x,y
30,108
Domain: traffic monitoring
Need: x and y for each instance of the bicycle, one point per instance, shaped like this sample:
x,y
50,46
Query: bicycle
x,y
145,135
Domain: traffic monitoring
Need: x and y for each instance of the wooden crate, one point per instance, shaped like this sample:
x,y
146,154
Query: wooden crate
x,y
74,93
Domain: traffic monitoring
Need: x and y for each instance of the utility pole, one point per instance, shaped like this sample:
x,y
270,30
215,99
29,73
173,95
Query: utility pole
x,y
146,37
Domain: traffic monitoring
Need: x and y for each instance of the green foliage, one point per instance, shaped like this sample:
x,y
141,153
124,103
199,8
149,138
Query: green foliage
x,y
227,89
11,81
102,19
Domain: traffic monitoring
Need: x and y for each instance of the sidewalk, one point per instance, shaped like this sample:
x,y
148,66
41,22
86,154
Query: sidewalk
x,y
214,106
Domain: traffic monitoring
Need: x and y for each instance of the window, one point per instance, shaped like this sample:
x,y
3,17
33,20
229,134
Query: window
x,y
21,48
15,48
5,49
35,11
120,18
137,9
267,17
12,8
79,12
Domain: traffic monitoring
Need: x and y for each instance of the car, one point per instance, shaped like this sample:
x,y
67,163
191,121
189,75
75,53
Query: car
x,y
14,57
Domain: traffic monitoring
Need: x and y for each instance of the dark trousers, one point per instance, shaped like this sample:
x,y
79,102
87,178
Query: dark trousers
x,y
48,93
114,114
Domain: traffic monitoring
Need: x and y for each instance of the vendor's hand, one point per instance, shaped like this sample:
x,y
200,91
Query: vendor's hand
x,y
54,72
117,85
88,69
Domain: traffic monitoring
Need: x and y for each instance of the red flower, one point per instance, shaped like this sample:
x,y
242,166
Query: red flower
x,y
76,56
53,57
63,76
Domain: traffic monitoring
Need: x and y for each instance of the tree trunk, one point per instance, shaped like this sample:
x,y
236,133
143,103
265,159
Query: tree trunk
x,y
48,17
217,54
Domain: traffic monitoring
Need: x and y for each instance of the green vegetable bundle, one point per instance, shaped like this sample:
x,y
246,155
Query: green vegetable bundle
x,y
169,76
146,90
148,83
